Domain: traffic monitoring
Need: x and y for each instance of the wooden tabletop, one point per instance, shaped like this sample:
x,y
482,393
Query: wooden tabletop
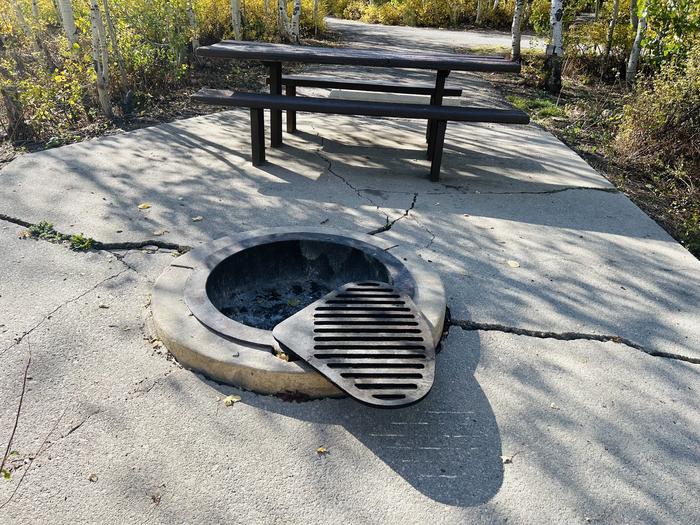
x,y
356,57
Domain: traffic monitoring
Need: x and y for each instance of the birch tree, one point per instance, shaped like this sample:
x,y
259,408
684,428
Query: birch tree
x,y
283,19
296,15
65,10
314,14
516,30
194,37
35,10
555,51
479,11
633,62
100,58
611,32
495,4
236,19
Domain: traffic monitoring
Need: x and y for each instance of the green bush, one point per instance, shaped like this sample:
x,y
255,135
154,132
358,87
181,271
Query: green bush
x,y
661,121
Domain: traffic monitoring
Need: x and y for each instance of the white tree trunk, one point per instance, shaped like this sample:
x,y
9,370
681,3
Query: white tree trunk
x,y
555,51
100,58
516,30
611,31
315,16
65,9
633,62
296,15
194,38
283,19
35,9
479,10
555,18
236,19
495,4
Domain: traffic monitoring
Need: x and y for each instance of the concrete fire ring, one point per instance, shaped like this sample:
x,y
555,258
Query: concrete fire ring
x,y
255,367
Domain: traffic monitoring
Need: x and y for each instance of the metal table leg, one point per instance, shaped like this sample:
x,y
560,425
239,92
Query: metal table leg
x,y
436,100
275,70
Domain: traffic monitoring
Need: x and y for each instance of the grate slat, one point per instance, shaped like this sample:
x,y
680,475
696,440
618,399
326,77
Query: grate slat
x,y
369,339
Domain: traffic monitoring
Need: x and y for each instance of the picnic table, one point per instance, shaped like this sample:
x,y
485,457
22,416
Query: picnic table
x,y
274,55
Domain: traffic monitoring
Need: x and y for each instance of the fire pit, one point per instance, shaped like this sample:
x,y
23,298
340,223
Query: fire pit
x,y
216,307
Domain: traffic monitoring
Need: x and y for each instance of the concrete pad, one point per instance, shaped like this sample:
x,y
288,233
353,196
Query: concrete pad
x,y
200,168
590,432
518,429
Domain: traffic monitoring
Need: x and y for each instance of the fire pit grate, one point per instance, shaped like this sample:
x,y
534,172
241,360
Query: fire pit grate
x,y
368,339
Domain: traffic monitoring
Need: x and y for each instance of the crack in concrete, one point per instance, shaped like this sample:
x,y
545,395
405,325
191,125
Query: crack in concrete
x,y
463,191
568,336
389,225
48,316
109,246
359,193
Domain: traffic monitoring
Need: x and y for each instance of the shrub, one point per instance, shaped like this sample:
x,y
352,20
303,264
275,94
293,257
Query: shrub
x,y
661,121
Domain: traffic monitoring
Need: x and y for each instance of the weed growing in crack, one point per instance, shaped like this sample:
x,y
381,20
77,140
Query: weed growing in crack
x,y
44,231
79,242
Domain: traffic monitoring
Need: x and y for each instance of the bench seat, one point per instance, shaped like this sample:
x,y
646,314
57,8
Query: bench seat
x,y
257,102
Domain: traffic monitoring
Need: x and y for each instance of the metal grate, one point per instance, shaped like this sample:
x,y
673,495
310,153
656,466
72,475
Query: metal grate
x,y
368,339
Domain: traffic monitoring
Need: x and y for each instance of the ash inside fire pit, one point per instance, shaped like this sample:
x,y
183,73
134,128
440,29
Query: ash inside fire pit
x,y
263,285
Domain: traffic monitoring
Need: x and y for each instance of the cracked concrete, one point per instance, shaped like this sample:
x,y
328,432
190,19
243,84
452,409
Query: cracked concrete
x,y
568,336
566,295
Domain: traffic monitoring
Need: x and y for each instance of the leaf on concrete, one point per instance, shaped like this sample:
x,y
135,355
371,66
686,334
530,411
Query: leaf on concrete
x,y
103,305
513,264
92,478
293,302
6,474
509,459
231,400
321,451
159,233
143,206
197,218
282,356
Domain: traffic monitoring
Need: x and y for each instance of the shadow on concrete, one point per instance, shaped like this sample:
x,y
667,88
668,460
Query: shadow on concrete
x,y
447,446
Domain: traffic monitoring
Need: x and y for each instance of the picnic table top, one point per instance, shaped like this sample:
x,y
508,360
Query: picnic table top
x,y
268,52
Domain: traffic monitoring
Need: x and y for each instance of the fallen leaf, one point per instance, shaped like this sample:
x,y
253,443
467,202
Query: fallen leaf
x,y
231,400
553,407
509,459
321,451
293,302
143,206
93,478
103,305
6,474
155,498
513,264
282,356
24,234
197,218
159,233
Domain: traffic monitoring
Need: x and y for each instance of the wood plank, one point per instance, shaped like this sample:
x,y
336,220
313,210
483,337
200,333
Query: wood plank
x,y
357,57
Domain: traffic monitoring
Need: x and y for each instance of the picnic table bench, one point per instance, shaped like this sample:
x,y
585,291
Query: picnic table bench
x,y
437,115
